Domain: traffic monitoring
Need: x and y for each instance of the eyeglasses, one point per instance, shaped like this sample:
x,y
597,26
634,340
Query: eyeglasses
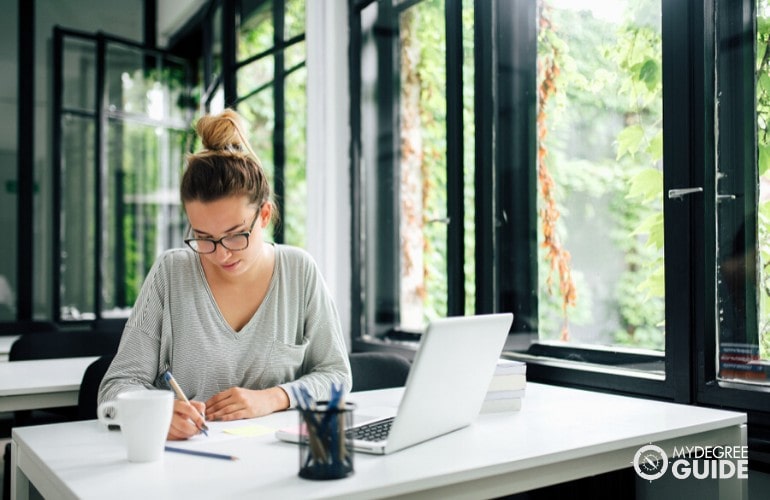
x,y
232,242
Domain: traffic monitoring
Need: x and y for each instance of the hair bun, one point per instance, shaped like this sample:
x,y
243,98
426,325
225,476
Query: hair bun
x,y
222,132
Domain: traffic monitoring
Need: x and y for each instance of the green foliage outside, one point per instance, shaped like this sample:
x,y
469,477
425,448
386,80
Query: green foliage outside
x,y
605,153
763,147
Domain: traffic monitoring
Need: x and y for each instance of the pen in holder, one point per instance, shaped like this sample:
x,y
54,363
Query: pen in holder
x,y
325,451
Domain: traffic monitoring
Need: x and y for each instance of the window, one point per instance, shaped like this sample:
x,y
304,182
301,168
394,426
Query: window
x,y
410,272
270,80
121,126
628,237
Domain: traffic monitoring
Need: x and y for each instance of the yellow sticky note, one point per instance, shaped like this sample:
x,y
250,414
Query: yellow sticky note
x,y
250,430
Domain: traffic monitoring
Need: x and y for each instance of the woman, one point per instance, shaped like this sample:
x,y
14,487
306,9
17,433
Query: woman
x,y
238,321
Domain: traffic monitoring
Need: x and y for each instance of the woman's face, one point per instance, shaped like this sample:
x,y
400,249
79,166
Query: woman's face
x,y
228,217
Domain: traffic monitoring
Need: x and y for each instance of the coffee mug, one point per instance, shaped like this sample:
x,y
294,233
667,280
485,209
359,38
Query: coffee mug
x,y
144,417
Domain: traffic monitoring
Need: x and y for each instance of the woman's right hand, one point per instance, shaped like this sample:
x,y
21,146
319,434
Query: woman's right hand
x,y
187,420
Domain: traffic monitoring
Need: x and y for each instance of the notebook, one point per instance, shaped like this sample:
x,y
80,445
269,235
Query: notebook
x,y
447,383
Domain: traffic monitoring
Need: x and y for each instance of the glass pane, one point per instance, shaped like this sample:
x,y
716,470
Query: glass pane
x,y
142,215
156,87
126,84
743,218
294,212
256,31
469,157
216,43
258,112
78,262
294,55
422,115
600,205
79,78
294,19
255,75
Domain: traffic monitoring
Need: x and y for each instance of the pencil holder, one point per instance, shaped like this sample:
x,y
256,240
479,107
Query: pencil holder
x,y
325,452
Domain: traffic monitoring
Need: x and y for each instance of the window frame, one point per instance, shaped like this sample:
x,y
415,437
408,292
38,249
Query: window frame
x,y
688,34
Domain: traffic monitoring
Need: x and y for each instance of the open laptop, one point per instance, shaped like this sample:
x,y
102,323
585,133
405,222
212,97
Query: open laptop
x,y
447,383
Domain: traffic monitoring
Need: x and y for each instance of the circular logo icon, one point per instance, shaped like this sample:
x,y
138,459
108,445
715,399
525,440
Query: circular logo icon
x,y
650,462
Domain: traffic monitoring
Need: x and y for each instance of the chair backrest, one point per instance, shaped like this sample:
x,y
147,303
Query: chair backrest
x,y
22,327
63,345
89,387
378,370
109,325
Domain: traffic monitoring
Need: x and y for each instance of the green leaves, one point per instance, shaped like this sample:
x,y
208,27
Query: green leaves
x,y
630,140
649,73
647,185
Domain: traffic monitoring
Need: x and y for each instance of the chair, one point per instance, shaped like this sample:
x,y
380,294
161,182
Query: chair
x,y
378,370
59,345
27,326
89,387
64,345
109,325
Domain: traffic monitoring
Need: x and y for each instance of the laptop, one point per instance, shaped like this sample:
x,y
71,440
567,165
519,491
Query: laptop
x,y
446,386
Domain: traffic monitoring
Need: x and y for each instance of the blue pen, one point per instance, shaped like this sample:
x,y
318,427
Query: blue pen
x,y
200,453
169,378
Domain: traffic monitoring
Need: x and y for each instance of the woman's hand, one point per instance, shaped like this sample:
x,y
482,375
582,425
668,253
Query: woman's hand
x,y
187,420
237,403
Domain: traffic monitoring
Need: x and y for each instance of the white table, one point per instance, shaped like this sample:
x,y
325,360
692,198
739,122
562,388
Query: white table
x,y
43,383
559,435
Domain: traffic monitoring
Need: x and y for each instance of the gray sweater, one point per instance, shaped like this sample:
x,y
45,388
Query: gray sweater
x,y
294,337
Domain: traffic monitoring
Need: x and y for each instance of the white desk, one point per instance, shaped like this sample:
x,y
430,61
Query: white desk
x,y
559,435
43,383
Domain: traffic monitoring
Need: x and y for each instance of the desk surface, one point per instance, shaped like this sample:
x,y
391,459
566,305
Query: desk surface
x,y
43,383
560,434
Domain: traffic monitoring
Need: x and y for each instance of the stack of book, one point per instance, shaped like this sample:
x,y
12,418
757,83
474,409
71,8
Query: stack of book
x,y
506,388
742,361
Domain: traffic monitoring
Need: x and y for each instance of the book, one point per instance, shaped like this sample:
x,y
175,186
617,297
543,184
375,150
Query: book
x,y
509,366
501,405
508,375
514,394
513,381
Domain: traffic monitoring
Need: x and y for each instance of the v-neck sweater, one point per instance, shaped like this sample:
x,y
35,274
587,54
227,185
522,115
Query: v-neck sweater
x,y
294,337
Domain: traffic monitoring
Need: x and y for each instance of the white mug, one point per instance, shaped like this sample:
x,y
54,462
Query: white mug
x,y
144,417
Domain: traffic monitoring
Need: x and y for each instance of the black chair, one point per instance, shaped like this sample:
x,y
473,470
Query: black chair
x,y
64,344
70,344
378,370
22,327
109,325
89,387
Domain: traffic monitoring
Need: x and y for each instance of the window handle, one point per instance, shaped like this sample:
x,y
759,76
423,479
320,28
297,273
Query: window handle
x,y
679,193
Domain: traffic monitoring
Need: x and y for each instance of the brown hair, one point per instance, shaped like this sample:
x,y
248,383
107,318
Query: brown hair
x,y
226,166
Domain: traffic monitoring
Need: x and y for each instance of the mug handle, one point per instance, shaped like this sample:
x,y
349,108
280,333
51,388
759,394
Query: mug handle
x,y
107,413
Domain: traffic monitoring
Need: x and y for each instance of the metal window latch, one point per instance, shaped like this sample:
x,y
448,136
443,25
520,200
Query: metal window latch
x,y
679,193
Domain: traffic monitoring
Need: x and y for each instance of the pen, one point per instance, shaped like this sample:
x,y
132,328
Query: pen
x,y
178,390
200,453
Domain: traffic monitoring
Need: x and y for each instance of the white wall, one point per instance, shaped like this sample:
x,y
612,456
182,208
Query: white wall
x,y
328,139
9,43
173,15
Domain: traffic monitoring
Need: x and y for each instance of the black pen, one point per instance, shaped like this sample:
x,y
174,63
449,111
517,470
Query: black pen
x,y
178,390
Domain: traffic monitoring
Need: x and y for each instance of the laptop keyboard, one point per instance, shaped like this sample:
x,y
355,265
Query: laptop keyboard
x,y
375,431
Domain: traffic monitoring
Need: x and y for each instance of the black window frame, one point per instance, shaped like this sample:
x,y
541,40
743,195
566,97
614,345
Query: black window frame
x,y
505,105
